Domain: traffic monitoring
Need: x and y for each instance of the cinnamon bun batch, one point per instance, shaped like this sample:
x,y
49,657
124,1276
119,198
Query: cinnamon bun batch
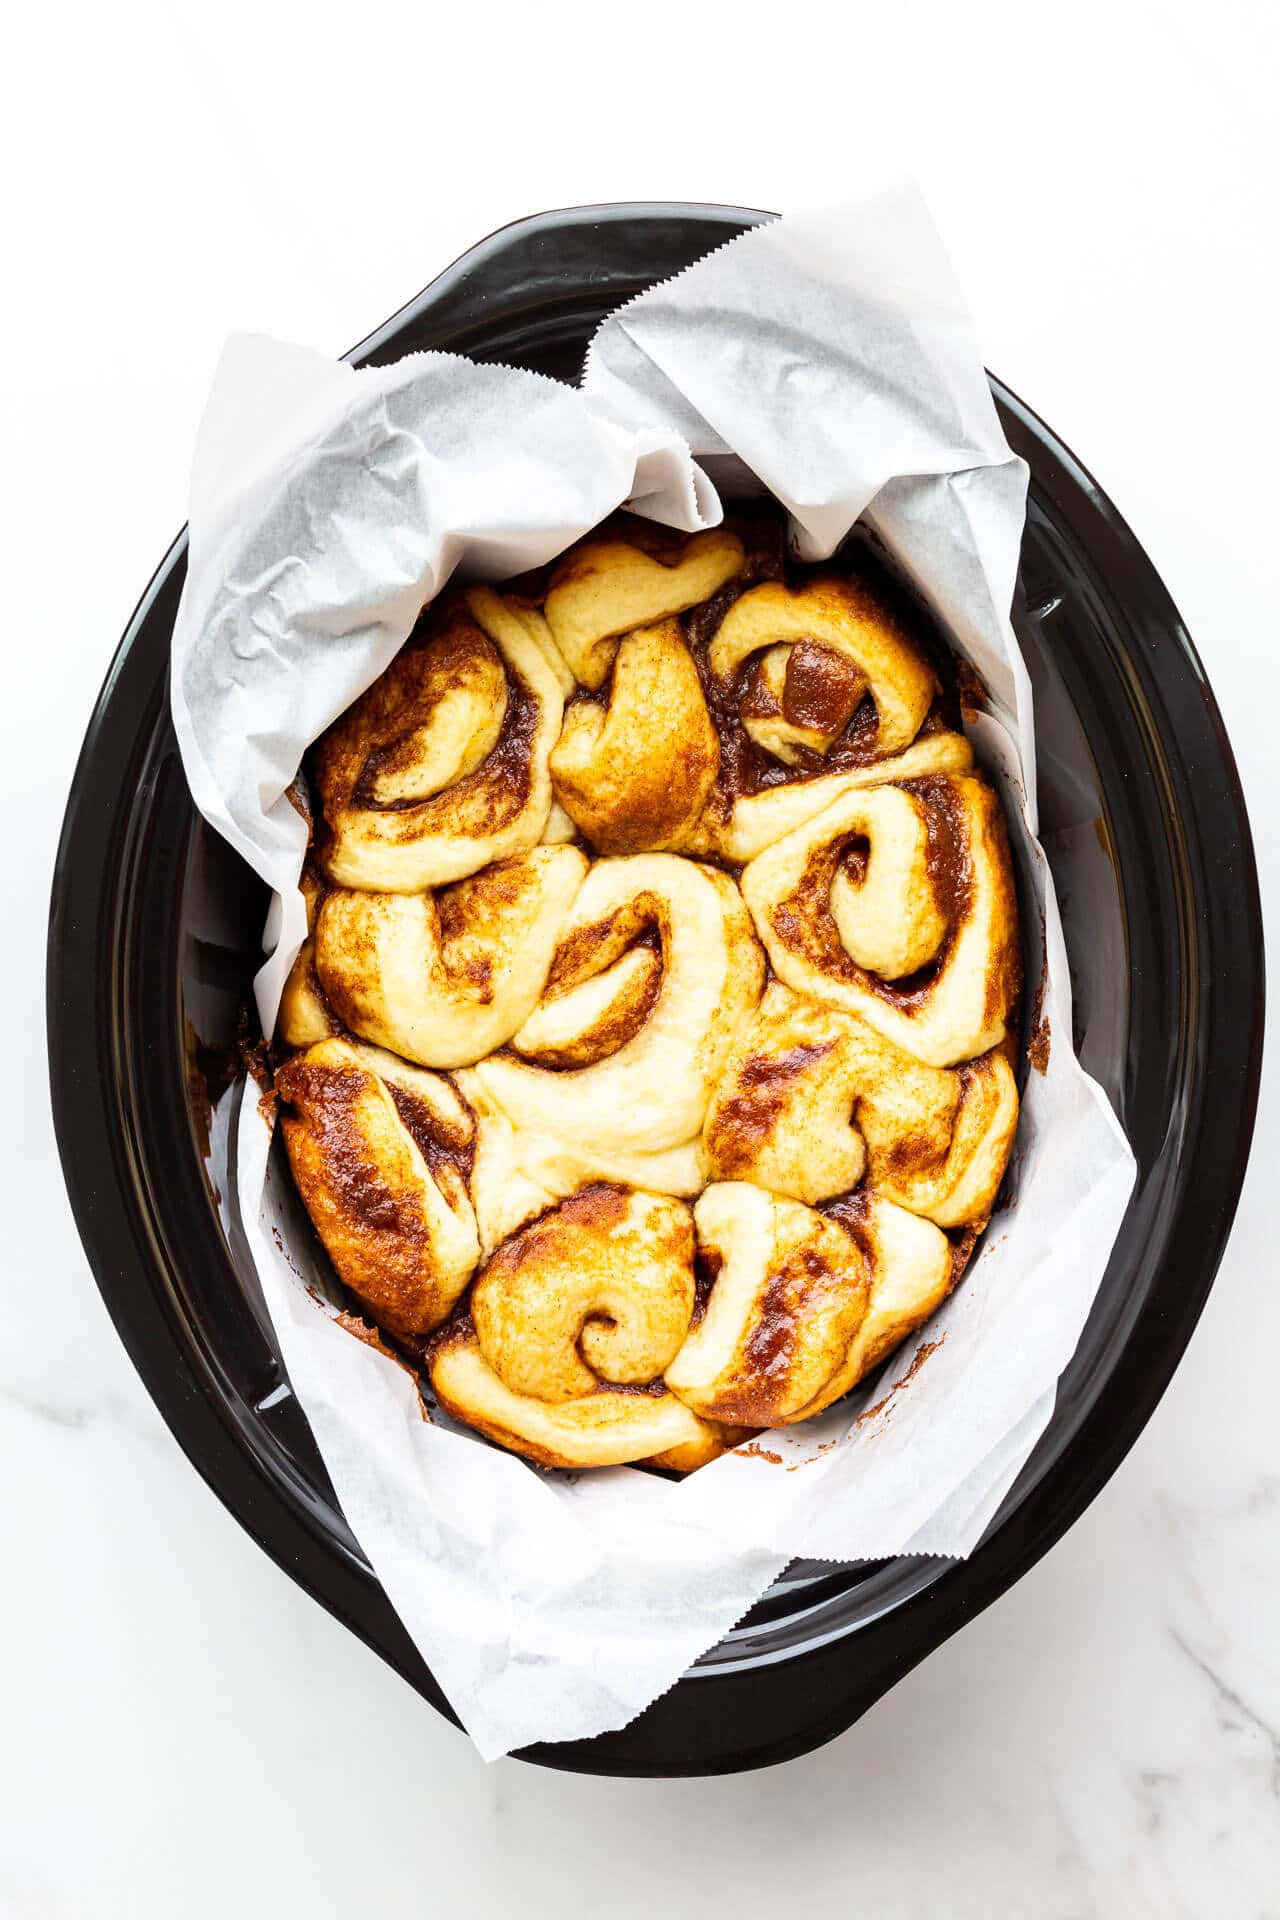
x,y
647,1068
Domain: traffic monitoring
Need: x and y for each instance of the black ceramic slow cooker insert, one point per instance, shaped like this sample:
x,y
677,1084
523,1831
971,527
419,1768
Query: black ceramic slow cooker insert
x,y
154,937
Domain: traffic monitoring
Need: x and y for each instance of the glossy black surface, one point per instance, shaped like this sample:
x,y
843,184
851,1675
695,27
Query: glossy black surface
x,y
153,939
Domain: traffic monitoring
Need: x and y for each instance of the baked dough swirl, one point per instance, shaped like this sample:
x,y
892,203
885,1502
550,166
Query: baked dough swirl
x,y
812,1099
654,1074
380,1153
634,774
782,1335
441,767
572,1322
656,968
753,821
822,646
604,589
896,902
446,977
815,688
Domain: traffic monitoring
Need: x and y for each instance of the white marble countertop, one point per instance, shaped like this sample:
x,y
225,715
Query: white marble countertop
x,y
184,1731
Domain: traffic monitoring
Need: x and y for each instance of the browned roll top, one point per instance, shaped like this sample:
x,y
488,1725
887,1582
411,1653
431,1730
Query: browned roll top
x,y
896,902
572,1323
380,1153
441,767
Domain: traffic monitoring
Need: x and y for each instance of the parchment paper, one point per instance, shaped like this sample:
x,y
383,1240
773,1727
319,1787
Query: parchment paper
x,y
828,358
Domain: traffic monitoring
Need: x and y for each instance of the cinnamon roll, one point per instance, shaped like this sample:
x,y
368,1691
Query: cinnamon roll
x,y
814,688
446,977
811,1099
441,767
605,588
783,1332
634,775
655,968
571,1325
788,1297
380,1154
896,902
822,646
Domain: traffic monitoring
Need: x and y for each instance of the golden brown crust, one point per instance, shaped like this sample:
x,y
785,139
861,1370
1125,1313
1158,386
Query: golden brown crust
x,y
599,1291
897,903
603,589
634,775
444,978
441,766
613,1426
401,1233
812,1098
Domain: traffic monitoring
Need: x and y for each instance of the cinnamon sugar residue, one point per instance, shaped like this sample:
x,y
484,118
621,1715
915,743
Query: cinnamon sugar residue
x,y
971,688
797,1287
747,1116
963,1241
368,1336
756,1452
255,1057
821,689
930,1346
436,1140
817,1454
296,794
1038,1051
